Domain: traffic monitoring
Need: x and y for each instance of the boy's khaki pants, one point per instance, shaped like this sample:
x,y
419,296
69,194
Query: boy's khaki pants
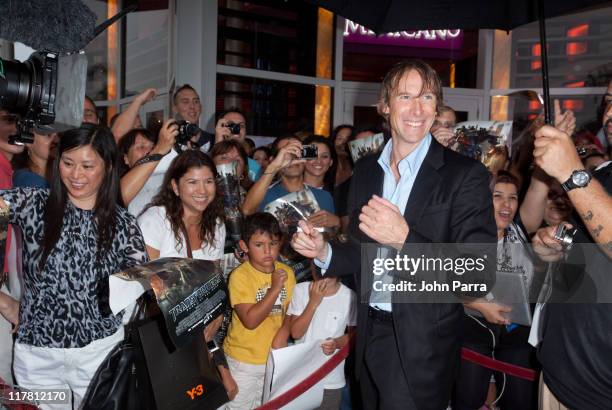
x,y
250,381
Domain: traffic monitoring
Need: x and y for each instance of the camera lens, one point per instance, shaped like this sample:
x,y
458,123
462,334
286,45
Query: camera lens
x,y
15,90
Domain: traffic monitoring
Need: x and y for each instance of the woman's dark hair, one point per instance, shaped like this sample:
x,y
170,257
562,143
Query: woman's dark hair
x,y
20,161
260,222
225,146
101,140
126,142
339,128
329,180
173,205
504,177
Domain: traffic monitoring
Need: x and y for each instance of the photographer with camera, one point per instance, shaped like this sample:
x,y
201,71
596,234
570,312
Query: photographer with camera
x,y
576,337
288,163
187,108
231,124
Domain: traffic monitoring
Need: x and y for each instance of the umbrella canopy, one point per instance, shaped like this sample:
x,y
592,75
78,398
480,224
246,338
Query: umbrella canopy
x,y
385,16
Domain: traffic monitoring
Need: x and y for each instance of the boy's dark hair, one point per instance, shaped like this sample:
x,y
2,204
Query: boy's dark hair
x,y
260,222
263,149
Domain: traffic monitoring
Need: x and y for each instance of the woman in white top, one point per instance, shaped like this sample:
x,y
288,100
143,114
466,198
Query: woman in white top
x,y
187,203
187,214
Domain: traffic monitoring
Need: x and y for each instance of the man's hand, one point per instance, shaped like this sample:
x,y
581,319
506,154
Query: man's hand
x,y
316,291
546,246
324,219
444,136
167,137
146,96
383,222
222,133
565,122
309,242
555,153
279,277
288,155
329,346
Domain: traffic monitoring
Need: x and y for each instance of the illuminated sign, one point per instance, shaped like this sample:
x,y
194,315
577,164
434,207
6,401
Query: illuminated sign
x,y
447,39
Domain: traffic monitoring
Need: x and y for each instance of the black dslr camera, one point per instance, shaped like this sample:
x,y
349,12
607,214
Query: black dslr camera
x,y
233,127
186,131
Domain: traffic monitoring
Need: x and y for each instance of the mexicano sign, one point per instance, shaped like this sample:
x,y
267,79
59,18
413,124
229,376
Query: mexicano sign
x,y
449,39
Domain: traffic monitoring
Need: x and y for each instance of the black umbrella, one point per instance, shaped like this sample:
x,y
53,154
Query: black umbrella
x,y
385,16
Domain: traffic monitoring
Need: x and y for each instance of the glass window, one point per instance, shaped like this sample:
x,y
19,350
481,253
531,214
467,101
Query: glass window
x,y
145,54
578,51
273,108
453,53
273,35
522,110
97,55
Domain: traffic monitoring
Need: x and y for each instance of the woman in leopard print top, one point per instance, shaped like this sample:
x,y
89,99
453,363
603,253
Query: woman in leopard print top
x,y
75,236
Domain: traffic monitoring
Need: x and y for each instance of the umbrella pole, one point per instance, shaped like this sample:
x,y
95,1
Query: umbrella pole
x,y
544,60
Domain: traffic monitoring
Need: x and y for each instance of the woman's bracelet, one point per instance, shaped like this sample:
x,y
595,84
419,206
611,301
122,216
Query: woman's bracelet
x,y
148,158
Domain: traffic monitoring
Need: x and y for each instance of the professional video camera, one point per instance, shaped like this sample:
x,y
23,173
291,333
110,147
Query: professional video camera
x,y
46,91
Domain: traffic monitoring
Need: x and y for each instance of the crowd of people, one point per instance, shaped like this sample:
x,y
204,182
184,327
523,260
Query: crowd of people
x,y
96,200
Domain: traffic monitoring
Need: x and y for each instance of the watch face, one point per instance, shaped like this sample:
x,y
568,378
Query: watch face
x,y
580,178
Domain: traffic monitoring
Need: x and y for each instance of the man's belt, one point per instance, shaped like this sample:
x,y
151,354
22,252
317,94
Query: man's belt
x,y
380,315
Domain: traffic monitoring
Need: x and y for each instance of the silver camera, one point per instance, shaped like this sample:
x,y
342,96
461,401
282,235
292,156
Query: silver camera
x,y
565,236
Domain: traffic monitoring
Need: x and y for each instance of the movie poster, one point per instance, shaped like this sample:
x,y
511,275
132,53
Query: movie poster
x,y
229,186
190,292
292,208
486,141
366,146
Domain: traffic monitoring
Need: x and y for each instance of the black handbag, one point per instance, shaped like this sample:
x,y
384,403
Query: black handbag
x,y
146,372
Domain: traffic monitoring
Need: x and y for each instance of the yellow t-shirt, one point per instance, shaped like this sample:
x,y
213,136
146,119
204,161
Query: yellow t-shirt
x,y
248,285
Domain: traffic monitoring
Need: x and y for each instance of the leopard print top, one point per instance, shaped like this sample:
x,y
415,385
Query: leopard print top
x,y
66,304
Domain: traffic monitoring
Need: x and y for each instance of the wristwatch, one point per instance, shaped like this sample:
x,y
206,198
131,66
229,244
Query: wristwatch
x,y
579,179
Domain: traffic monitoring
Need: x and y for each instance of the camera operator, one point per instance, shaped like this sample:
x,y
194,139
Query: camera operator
x,y
9,307
90,112
231,124
186,106
576,337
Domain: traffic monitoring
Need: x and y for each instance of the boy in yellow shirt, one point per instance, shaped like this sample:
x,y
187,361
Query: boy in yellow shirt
x,y
260,291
